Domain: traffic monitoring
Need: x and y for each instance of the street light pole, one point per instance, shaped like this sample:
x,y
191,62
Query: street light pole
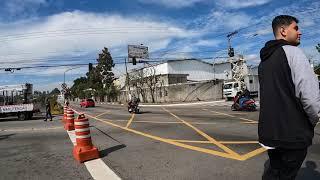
x,y
64,79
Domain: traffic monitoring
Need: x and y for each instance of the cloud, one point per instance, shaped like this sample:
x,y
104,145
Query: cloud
x,y
173,4
209,42
21,8
238,4
67,34
217,22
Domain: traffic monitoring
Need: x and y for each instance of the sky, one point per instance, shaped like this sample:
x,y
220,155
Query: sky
x,y
35,33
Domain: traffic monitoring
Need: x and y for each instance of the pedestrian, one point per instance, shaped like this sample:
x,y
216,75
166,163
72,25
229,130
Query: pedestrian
x,y
290,100
48,111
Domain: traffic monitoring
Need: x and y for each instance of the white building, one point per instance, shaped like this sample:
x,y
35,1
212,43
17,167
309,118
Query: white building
x,y
194,69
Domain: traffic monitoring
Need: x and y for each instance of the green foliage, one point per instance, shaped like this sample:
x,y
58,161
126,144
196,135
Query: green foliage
x,y
318,47
55,91
99,79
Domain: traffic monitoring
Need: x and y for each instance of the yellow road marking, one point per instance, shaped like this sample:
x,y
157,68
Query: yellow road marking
x,y
131,119
208,151
190,141
238,142
199,149
161,122
108,112
226,149
253,153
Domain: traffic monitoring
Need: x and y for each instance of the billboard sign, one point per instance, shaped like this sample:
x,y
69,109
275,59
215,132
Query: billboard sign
x,y
137,51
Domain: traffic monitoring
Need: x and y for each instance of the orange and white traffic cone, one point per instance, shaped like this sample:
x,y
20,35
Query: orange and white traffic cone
x,y
65,109
69,125
84,150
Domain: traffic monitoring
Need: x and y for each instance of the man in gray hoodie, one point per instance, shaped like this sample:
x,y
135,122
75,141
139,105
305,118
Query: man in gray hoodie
x,y
289,100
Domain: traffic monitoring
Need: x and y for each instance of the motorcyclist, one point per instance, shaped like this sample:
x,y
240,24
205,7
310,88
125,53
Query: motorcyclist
x,y
133,103
245,95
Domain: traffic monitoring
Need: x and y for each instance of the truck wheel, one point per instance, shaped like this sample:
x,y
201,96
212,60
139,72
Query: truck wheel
x,y
21,116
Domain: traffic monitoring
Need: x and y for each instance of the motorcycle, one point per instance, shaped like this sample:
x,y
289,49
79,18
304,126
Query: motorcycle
x,y
247,104
133,108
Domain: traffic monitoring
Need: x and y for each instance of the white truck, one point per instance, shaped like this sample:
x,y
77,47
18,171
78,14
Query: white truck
x,y
16,100
242,77
250,82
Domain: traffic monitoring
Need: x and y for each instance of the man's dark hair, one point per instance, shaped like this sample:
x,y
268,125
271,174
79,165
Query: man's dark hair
x,y
282,20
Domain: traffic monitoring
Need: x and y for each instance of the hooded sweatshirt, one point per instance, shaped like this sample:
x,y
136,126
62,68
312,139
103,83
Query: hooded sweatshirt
x,y
289,97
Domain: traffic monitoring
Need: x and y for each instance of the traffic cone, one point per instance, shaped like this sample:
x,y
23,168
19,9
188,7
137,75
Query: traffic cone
x,y
84,150
65,109
69,125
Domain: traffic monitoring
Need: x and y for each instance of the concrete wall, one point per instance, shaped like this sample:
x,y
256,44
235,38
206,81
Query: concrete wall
x,y
207,90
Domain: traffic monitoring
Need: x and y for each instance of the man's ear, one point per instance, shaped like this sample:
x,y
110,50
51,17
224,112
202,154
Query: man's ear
x,y
283,31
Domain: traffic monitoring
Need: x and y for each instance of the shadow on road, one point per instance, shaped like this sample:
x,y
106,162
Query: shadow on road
x,y
105,152
305,173
3,137
144,112
309,172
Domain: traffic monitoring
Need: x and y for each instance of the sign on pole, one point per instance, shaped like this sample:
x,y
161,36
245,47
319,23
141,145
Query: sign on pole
x,y
137,51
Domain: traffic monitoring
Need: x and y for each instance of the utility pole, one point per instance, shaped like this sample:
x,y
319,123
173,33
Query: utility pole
x,y
127,79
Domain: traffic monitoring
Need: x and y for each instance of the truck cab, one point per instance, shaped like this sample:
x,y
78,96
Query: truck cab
x,y
16,100
230,89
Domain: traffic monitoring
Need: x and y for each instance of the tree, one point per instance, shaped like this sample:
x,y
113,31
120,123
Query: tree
x,y
139,82
318,47
151,81
55,91
101,77
78,88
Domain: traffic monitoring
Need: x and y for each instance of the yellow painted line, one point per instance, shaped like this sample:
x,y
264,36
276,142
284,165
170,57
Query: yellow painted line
x,y
199,149
238,142
131,119
108,112
226,149
253,153
208,151
191,141
163,122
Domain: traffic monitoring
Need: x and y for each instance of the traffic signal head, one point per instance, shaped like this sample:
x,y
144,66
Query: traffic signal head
x,y
134,61
90,67
230,52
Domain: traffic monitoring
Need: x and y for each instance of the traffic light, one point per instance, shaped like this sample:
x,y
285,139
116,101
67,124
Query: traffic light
x,y
230,52
90,67
134,61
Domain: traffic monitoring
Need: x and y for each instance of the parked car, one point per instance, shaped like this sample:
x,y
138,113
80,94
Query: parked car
x,y
87,103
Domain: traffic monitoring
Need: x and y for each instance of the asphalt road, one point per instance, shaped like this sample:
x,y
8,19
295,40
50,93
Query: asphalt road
x,y
185,142
35,149
207,141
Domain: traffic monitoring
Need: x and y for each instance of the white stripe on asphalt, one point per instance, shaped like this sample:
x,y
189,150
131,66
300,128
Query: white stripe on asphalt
x,y
82,130
97,168
83,136
81,123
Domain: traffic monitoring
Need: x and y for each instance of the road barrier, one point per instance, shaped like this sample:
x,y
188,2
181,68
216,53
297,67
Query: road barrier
x,y
84,149
65,109
69,125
